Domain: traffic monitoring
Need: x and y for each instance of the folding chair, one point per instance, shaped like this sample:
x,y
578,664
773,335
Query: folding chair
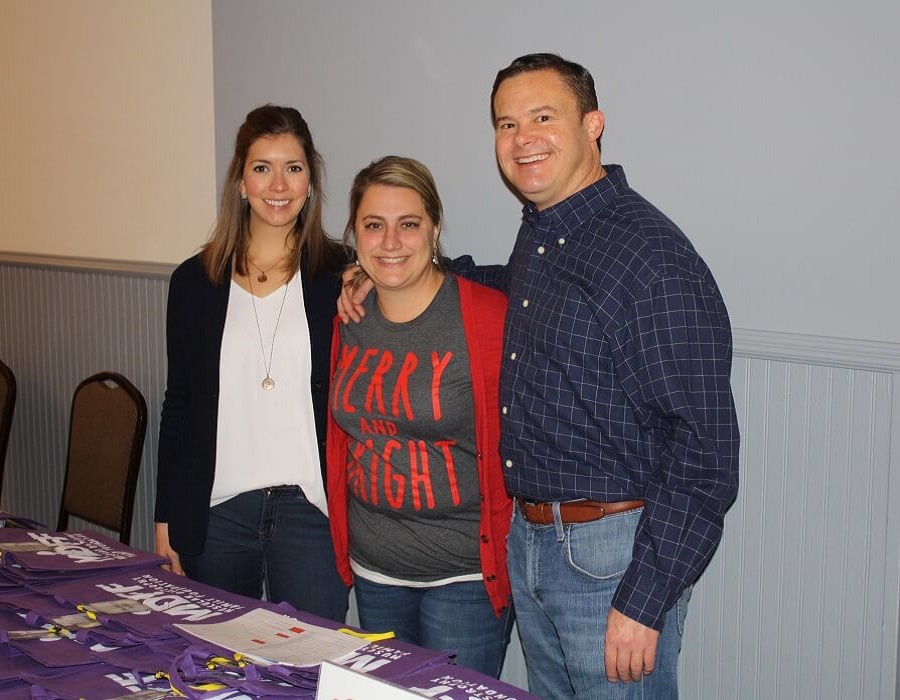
x,y
106,436
7,406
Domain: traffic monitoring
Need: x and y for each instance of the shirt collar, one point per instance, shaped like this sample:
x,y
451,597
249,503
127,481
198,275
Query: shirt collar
x,y
574,208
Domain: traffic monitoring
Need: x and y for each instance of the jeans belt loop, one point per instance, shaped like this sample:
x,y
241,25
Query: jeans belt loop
x,y
559,524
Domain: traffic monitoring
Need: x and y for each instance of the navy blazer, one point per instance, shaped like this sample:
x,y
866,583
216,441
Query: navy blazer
x,y
195,322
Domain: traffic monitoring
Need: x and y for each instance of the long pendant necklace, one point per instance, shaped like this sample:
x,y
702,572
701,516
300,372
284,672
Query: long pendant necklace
x,y
267,383
263,276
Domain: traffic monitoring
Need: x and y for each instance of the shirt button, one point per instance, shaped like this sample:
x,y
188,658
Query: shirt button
x,y
509,464
512,356
505,410
562,241
540,250
524,302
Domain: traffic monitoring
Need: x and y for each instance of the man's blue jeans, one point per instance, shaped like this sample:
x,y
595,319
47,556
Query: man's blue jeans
x,y
563,580
275,537
455,616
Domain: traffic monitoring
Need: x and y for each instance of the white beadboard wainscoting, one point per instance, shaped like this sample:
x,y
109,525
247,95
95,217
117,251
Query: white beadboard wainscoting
x,y
62,320
800,602
801,599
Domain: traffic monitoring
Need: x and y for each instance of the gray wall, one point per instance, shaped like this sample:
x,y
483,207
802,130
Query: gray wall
x,y
766,130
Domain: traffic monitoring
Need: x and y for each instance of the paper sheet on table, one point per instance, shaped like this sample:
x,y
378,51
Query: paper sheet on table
x,y
339,683
268,637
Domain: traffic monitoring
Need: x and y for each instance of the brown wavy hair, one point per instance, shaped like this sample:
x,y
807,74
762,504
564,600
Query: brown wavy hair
x,y
230,237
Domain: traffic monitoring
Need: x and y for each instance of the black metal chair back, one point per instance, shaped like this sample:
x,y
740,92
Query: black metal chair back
x,y
106,438
7,406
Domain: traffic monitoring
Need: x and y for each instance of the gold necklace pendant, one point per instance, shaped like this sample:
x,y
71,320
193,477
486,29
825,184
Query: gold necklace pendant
x,y
263,276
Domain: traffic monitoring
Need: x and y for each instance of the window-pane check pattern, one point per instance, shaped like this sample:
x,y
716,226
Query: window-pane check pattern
x,y
616,379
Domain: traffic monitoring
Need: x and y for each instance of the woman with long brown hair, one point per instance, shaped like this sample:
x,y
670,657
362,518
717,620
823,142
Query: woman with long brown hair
x,y
241,499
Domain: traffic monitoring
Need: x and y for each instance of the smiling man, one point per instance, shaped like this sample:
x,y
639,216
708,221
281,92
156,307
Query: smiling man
x,y
619,437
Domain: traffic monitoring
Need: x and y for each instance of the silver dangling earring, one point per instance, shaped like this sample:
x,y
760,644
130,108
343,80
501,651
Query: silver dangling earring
x,y
356,262
309,192
243,196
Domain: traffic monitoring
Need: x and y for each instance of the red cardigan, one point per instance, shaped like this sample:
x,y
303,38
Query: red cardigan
x,y
483,313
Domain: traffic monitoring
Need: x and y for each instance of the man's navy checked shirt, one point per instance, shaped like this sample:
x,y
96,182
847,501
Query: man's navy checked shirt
x,y
615,382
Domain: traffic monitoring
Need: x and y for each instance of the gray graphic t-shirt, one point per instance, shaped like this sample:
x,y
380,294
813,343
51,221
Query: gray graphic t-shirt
x,y
403,393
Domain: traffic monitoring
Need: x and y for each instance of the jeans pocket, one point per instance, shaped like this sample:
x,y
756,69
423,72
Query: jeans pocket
x,y
602,549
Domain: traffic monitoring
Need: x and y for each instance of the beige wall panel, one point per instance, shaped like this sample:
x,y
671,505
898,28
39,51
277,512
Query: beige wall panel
x,y
106,128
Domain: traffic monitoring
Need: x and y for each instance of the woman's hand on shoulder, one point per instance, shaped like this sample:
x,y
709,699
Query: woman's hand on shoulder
x,y
355,288
163,547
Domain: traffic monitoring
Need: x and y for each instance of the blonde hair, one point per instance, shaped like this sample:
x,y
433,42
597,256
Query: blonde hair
x,y
397,171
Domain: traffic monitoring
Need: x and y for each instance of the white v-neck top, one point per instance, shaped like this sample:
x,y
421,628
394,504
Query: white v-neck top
x,y
266,438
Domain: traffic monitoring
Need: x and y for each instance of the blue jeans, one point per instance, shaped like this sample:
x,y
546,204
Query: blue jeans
x,y
272,537
563,580
456,616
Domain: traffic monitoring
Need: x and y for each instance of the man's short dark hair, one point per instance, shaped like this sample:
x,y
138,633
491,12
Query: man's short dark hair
x,y
577,77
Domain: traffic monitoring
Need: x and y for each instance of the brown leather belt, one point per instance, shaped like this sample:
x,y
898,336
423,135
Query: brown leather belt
x,y
573,512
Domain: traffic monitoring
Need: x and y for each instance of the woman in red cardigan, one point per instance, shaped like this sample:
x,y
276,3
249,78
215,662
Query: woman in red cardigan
x,y
419,513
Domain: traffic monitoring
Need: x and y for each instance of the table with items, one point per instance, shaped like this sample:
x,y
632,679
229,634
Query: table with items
x,y
84,616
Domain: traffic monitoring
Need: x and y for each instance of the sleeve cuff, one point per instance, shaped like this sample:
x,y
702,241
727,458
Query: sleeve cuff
x,y
644,600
